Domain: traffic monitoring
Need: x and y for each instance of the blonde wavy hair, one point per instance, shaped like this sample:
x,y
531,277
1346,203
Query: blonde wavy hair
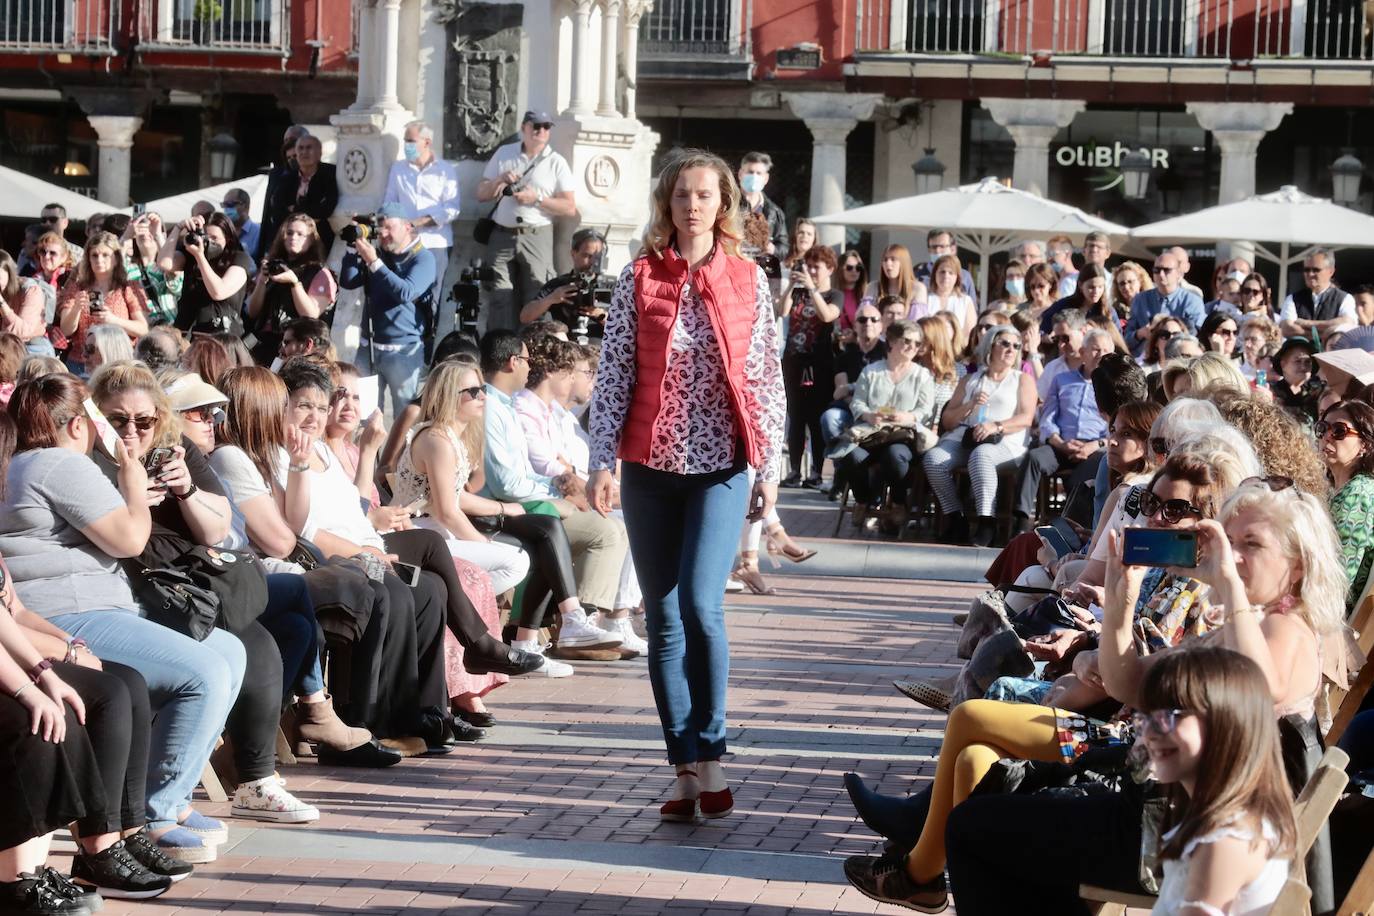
x,y
728,230
131,375
442,397
1211,373
1304,530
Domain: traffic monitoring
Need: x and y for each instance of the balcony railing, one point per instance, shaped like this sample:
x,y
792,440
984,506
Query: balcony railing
x,y
44,26
697,38
234,26
1233,30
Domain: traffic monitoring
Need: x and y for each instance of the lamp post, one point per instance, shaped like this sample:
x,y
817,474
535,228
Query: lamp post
x,y
1135,175
1346,173
224,154
930,173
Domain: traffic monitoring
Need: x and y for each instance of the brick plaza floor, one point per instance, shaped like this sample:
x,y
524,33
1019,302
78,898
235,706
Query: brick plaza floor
x,y
556,812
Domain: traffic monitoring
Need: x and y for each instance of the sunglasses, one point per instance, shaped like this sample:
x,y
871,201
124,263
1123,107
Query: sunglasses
x,y
1275,482
207,414
1167,335
867,320
1338,429
1313,270
1251,291
542,126
1172,511
1009,344
1062,338
1225,332
50,253
853,267
1162,270
473,393
1159,721
142,424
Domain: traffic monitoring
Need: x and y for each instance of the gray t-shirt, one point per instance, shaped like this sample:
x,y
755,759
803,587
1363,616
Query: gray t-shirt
x,y
52,494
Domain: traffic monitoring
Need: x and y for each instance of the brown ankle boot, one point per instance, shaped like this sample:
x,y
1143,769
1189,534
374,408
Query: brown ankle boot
x,y
319,723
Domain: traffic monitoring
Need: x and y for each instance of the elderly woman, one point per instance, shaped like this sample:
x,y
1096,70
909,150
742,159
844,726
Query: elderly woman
x,y
896,391
101,295
987,416
1345,437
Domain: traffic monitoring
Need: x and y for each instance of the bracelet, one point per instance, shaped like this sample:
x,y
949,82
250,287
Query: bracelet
x,y
298,468
74,645
21,689
501,509
37,670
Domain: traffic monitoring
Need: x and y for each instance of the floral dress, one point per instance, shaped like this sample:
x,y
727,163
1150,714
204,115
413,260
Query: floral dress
x,y
1352,509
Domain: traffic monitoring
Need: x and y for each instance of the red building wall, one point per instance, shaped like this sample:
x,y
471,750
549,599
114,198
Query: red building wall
x,y
783,24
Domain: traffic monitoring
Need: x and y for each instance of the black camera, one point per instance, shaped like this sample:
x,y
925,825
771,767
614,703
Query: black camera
x,y
467,294
771,264
592,288
363,227
277,266
195,237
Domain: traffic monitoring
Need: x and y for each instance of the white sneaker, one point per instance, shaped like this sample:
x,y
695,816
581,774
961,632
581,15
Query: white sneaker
x,y
733,585
629,640
579,633
550,668
640,624
268,800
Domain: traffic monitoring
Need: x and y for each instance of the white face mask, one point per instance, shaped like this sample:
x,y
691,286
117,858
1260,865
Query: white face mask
x,y
753,182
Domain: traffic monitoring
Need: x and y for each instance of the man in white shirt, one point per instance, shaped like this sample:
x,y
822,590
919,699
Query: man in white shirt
x,y
1322,305
426,187
532,185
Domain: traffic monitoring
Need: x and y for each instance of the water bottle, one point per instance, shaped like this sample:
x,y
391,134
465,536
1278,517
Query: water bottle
x,y
1261,378
981,415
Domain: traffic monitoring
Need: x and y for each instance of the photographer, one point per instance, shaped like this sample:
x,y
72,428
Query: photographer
x,y
292,283
571,297
143,238
216,274
396,276
100,294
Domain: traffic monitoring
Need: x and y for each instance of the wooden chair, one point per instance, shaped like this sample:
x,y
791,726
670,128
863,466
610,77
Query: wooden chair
x,y
1311,810
1346,703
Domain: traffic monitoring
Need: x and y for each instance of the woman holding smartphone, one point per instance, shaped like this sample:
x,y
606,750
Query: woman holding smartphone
x,y
689,395
101,295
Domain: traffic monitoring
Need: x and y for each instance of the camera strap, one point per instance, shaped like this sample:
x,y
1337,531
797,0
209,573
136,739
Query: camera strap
x,y
523,175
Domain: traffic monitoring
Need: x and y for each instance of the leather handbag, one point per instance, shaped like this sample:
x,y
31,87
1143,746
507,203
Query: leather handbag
x,y
481,232
172,598
203,588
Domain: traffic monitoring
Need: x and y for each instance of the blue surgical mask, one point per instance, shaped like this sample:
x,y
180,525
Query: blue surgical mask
x,y
411,151
232,213
1016,286
753,182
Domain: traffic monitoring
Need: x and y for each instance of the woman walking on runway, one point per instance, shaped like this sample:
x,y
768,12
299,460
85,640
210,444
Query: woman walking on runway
x,y
689,395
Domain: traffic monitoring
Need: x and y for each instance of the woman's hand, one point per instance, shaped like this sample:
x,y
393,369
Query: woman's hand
x,y
1085,594
133,477
299,446
175,476
1122,582
389,518
374,433
47,719
286,277
983,430
59,691
599,487
1215,561
98,316
515,509
762,500
1054,647
980,399
1085,668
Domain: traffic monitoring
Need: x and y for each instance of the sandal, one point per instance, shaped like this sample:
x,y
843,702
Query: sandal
x,y
780,545
925,693
753,580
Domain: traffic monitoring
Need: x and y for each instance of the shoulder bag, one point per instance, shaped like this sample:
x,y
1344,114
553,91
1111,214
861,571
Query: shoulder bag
x,y
481,232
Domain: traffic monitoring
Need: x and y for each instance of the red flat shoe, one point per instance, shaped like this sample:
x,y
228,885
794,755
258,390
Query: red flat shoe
x,y
717,804
679,811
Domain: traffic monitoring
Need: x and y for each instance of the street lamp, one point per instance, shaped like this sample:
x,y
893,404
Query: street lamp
x,y
224,153
1135,175
930,173
1346,173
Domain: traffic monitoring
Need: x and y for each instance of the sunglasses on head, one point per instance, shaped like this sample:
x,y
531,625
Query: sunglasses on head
x,y
1159,721
142,424
1172,511
1275,482
1338,430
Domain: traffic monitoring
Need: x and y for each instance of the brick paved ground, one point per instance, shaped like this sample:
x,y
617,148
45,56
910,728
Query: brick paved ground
x,y
557,811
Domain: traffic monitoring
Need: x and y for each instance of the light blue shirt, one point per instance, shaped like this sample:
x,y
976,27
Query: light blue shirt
x,y
248,240
1183,304
509,475
1071,410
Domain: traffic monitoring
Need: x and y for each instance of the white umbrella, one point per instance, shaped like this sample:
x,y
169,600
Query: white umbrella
x,y
176,208
986,217
25,196
1286,217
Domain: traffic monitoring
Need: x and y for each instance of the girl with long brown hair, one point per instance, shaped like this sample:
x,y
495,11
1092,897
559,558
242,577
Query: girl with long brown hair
x,y
896,277
100,293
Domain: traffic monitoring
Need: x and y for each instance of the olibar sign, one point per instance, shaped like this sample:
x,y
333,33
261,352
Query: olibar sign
x,y
1101,157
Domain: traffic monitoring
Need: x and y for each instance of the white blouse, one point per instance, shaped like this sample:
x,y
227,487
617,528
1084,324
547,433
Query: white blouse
x,y
1254,899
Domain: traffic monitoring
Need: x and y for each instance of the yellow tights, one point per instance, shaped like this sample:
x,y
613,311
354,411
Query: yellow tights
x,y
980,732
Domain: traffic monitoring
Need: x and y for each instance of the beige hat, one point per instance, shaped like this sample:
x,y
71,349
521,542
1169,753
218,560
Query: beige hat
x,y
1340,366
191,391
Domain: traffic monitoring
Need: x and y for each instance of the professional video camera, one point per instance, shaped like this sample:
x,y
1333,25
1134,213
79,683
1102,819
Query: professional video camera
x,y
467,295
364,226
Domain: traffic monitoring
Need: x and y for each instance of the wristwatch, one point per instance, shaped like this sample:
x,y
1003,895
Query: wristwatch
x,y
187,495
37,670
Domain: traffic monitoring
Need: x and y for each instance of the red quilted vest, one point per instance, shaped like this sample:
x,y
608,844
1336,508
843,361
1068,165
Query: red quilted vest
x,y
727,287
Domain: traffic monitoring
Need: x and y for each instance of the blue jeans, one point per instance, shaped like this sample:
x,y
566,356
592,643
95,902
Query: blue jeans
x,y
399,370
683,533
290,618
835,420
191,686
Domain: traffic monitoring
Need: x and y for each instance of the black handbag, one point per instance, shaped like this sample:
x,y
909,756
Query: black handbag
x,y
484,227
970,442
172,598
203,588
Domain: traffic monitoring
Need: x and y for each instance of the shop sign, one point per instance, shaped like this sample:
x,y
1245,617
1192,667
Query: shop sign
x,y
1092,155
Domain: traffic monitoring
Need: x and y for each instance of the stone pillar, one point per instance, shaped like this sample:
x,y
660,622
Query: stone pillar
x,y
115,138
1033,123
610,35
830,116
1238,128
579,102
629,49
388,35
367,57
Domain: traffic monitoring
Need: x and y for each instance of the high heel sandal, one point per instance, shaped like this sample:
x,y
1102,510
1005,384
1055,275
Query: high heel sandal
x,y
779,545
680,810
748,575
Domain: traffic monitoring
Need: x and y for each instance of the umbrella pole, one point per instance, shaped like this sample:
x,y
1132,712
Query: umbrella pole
x,y
1283,274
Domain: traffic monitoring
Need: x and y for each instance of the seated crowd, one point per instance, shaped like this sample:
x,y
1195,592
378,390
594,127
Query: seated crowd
x,y
209,541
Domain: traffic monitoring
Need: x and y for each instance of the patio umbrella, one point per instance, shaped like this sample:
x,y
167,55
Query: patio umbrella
x,y
1286,218
25,196
178,207
986,217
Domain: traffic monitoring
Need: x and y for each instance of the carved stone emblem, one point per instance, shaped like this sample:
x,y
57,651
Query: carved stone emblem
x,y
355,166
603,176
482,79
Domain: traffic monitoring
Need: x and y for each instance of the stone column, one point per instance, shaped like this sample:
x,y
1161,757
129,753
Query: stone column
x,y
830,116
1033,123
579,102
115,138
629,49
1238,128
367,56
388,35
610,35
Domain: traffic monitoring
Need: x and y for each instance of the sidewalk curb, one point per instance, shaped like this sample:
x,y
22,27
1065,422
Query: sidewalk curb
x,y
879,560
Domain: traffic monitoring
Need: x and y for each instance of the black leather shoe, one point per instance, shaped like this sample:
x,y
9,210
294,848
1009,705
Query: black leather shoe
x,y
116,873
811,483
66,887
155,860
897,819
456,730
479,719
371,754
791,482
34,895
507,661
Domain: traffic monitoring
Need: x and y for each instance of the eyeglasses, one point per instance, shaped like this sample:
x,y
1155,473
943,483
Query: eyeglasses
x,y
908,341
589,373
473,393
206,414
868,320
1275,482
1009,344
50,253
1248,291
142,424
1163,270
1062,339
1159,721
1171,511
1313,270
1159,445
1339,429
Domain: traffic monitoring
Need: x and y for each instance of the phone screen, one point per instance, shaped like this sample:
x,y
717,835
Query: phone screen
x,y
1159,547
408,573
1056,540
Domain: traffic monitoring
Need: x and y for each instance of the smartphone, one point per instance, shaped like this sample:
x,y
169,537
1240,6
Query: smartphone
x,y
1159,547
106,437
1050,535
409,573
139,209
155,459
417,508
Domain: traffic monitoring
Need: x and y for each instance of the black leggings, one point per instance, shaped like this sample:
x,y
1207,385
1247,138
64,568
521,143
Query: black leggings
x,y
805,404
398,664
118,719
253,720
428,550
551,566
869,472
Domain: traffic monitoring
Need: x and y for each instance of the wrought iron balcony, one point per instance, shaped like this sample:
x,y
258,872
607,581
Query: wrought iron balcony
x,y
45,26
702,39
233,26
